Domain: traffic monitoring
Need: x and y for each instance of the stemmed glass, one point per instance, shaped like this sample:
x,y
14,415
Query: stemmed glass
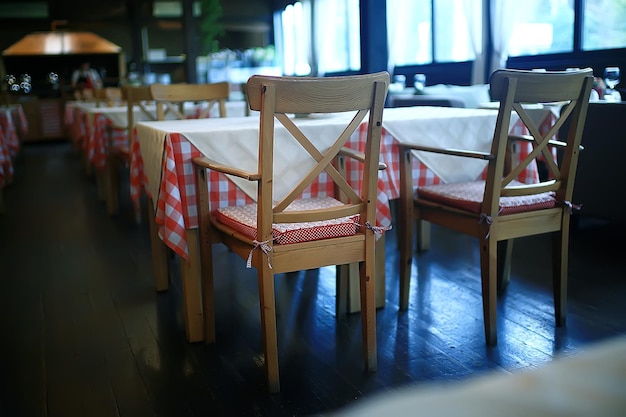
x,y
611,78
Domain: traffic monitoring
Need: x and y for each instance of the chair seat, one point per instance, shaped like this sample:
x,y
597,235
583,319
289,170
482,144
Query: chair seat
x,y
469,196
243,219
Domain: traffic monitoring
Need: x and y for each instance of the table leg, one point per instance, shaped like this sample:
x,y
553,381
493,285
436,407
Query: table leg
x,y
423,235
350,275
159,253
111,185
192,289
101,184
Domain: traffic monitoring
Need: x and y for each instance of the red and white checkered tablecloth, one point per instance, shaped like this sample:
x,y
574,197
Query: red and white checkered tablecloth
x,y
12,124
102,132
105,131
422,175
75,118
531,173
6,166
176,204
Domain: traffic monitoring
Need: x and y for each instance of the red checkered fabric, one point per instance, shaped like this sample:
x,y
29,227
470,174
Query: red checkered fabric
x,y
12,119
138,179
531,173
19,117
6,166
98,144
13,122
469,196
76,123
243,219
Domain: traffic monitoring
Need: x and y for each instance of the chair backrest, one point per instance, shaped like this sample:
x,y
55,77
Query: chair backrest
x,y
113,96
137,97
515,90
242,88
170,98
275,98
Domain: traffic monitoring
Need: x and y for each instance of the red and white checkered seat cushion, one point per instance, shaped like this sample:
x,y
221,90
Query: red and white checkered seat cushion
x,y
469,196
243,219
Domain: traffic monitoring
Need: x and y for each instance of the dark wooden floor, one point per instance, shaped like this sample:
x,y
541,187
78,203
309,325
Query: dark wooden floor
x,y
85,334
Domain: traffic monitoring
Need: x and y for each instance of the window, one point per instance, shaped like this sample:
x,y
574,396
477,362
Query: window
x,y
293,45
337,35
542,27
426,31
318,37
173,9
22,10
604,24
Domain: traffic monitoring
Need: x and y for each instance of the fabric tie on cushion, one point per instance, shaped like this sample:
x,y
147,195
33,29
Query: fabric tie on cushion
x,y
488,220
379,230
571,206
265,247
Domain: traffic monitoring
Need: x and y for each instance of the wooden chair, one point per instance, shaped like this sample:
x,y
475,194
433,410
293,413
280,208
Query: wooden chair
x,y
171,99
106,96
242,88
499,208
112,96
264,245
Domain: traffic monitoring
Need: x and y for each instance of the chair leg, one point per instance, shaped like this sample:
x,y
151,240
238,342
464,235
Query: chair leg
x,y
405,230
268,325
192,289
560,242
208,293
489,274
111,185
368,313
423,235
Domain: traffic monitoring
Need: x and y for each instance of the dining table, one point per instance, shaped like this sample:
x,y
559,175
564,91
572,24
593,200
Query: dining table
x,y
95,128
444,127
161,165
109,125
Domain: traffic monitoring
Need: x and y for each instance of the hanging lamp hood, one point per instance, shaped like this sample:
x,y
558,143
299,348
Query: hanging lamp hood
x,y
61,43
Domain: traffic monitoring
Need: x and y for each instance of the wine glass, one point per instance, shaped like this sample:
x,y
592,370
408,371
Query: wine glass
x,y
611,78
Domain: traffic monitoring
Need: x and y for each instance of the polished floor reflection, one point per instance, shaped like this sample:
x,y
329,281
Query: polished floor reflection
x,y
85,334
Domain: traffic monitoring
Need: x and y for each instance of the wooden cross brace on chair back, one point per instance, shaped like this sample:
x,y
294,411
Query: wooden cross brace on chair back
x,y
513,93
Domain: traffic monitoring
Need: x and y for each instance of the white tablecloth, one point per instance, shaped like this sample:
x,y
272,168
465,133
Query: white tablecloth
x,y
444,127
234,142
117,114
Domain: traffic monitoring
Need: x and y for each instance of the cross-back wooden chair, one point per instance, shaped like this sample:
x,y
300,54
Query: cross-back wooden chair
x,y
242,88
108,96
499,208
171,98
266,244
